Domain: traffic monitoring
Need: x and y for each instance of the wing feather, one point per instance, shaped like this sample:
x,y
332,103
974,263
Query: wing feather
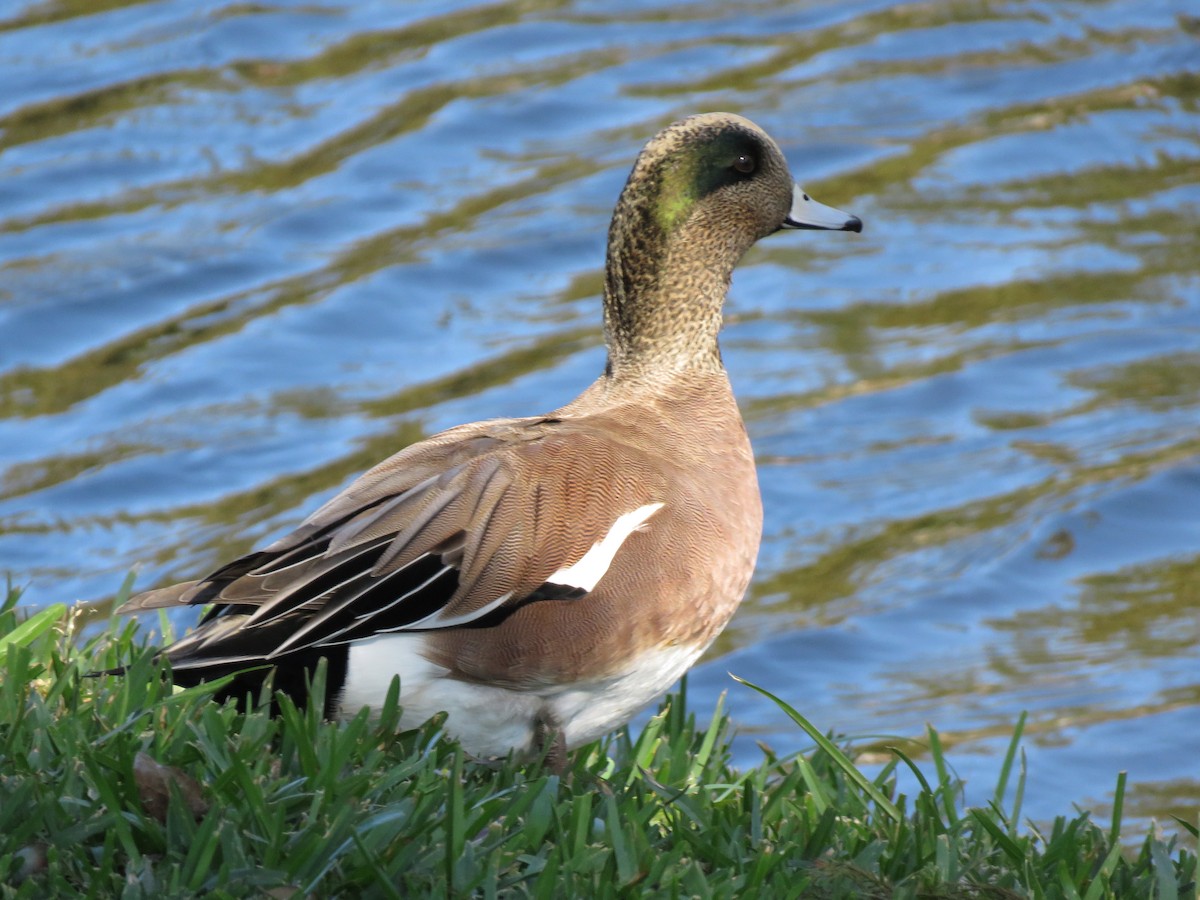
x,y
349,611
326,576
381,518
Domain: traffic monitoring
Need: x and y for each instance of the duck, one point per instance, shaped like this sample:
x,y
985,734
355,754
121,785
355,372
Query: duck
x,y
540,580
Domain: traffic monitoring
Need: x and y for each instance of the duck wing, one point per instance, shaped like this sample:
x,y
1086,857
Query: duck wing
x,y
457,531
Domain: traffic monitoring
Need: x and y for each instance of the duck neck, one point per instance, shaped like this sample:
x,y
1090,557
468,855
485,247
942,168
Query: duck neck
x,y
663,293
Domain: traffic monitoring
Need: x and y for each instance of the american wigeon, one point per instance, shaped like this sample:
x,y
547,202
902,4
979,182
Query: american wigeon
x,y
542,579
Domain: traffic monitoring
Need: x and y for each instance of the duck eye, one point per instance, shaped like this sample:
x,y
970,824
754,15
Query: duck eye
x,y
744,164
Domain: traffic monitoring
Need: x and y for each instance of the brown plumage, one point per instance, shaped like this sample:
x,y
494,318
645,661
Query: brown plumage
x,y
551,574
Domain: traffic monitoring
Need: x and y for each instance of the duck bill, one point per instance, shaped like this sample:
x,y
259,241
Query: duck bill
x,y
808,213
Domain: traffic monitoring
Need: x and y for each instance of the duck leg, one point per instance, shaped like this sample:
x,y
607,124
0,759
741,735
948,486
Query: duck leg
x,y
549,743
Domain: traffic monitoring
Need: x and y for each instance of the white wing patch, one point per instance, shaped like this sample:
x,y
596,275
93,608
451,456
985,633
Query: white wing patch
x,y
586,573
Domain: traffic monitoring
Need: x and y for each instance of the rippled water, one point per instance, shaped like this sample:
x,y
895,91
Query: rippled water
x,y
246,250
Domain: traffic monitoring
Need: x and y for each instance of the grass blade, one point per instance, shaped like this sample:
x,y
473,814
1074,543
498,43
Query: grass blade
x,y
1009,757
843,762
33,627
1007,844
1164,872
1096,889
912,767
1114,832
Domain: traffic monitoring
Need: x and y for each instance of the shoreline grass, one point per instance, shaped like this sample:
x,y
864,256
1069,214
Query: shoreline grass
x,y
124,787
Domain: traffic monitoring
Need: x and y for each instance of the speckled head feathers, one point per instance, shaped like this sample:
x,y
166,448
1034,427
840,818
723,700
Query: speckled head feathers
x,y
701,192
714,159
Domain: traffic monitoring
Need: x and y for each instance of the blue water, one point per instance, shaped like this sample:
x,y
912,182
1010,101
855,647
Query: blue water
x,y
247,250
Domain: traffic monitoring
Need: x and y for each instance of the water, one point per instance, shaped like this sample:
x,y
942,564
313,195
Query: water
x,y
247,250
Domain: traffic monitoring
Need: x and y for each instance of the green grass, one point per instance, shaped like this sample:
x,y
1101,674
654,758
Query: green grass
x,y
123,787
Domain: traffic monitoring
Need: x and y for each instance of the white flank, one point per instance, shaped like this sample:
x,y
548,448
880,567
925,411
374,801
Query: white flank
x,y
586,573
589,710
488,720
491,720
